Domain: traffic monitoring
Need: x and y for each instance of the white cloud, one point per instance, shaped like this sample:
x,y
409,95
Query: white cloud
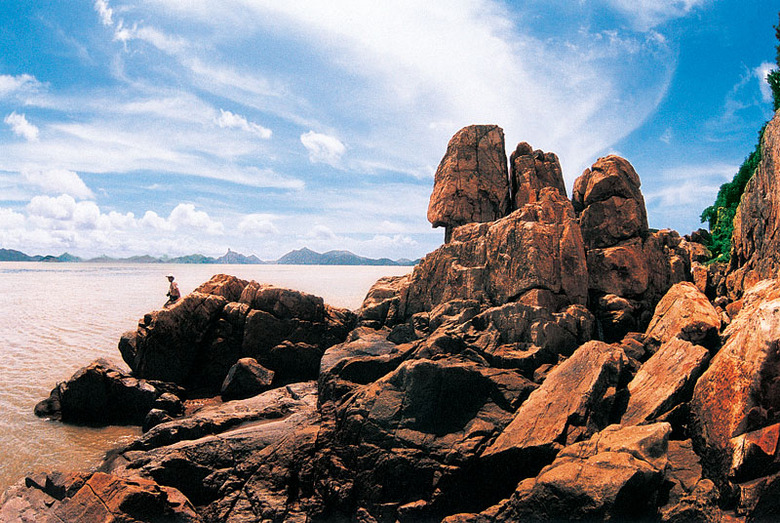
x,y
104,12
257,225
23,83
236,121
60,181
152,220
650,13
21,127
761,73
10,219
184,215
323,148
59,208
321,233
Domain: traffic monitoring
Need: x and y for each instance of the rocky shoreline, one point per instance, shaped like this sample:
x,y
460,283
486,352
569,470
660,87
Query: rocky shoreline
x,y
555,359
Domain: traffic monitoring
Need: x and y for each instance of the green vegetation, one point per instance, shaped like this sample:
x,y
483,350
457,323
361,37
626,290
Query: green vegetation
x,y
720,215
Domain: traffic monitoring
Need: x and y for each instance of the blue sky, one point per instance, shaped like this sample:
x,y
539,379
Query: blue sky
x,y
170,127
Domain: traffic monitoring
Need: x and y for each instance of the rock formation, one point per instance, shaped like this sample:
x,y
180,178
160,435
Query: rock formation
x,y
472,182
531,171
554,359
755,251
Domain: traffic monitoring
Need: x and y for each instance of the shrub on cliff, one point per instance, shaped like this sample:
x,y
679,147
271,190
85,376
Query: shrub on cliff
x,y
720,215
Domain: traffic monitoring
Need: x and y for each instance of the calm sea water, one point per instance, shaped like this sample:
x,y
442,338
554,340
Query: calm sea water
x,y
56,318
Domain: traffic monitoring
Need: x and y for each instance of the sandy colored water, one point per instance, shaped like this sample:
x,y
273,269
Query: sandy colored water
x,y
56,318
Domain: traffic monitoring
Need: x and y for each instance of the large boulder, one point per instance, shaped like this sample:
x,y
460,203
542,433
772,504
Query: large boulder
x,y
531,171
246,378
615,475
609,202
755,254
421,426
472,182
739,392
198,339
103,394
665,381
536,248
630,268
685,312
95,497
574,402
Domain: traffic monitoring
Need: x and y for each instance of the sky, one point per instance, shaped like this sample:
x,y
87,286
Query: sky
x,y
171,127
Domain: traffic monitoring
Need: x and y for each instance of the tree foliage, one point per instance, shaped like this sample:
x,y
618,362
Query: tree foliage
x,y
720,215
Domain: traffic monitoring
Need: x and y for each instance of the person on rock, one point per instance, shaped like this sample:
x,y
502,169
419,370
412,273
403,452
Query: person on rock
x,y
173,292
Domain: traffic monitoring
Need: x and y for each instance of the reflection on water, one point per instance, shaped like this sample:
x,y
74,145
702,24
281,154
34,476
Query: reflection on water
x,y
56,318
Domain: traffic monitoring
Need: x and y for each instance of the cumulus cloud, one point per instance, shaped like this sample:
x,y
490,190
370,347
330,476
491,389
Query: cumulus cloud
x,y
236,121
60,181
323,148
257,225
186,216
104,12
10,219
21,127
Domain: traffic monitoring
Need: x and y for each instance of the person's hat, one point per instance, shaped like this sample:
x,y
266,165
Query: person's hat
x,y
170,276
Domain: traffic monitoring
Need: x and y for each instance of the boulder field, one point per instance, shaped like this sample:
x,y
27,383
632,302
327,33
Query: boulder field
x,y
554,359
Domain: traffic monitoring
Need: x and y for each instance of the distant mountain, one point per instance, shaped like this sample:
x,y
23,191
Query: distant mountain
x,y
303,256
191,259
307,256
17,256
235,258
11,255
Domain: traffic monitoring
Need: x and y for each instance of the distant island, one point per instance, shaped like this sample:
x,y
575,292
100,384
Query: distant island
x,y
302,256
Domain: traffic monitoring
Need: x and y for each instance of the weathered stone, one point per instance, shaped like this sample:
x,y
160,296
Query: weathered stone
x,y
380,306
531,171
472,182
103,394
246,378
738,393
609,203
686,313
537,247
755,454
616,475
664,381
574,402
755,254
196,341
229,287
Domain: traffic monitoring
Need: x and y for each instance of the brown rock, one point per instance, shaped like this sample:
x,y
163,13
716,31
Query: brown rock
x,y
472,182
685,312
108,498
621,270
196,341
664,381
616,475
755,253
737,394
755,454
246,378
531,171
700,276
380,305
229,287
102,393
537,247
573,403
609,203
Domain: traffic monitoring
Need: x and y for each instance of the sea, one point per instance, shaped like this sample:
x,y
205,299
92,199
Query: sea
x,y
58,317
